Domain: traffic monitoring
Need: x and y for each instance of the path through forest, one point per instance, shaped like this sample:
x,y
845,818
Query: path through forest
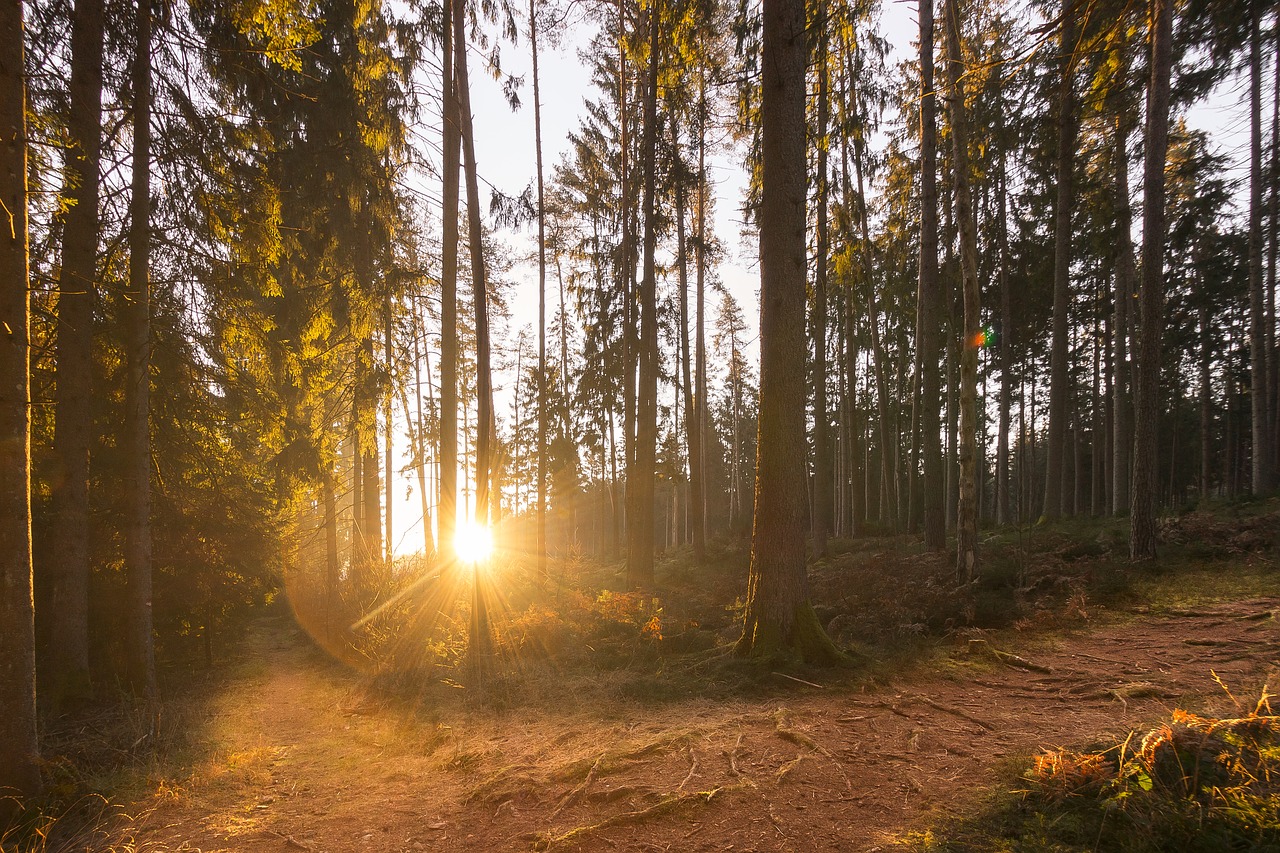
x,y
296,759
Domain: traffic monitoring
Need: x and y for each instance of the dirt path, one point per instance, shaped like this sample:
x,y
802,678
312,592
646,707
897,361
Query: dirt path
x,y
292,765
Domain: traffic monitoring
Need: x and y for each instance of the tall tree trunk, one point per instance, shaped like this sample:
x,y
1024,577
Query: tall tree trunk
x,y
640,487
479,280
1126,285
331,565
1273,244
19,748
967,505
137,414
366,413
930,288
1095,436
779,616
68,619
1142,521
1258,387
887,436
691,423
420,449
1003,503
447,505
627,278
480,647
697,451
1058,378
541,548
1206,403
388,421
857,471
821,521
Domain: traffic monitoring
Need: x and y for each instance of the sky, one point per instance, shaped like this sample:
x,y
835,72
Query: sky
x,y
505,157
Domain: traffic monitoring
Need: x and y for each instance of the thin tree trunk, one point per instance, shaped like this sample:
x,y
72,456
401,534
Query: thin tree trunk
x,y
1003,504
1206,404
541,549
930,288
691,425
420,449
640,487
1273,244
480,647
888,450
1095,436
821,517
447,504
68,613
1058,379
19,748
137,430
388,422
331,565
627,272
1142,526
1258,387
698,451
1126,285
966,508
479,279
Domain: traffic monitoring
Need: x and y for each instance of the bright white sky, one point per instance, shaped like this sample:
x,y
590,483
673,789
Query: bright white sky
x,y
505,155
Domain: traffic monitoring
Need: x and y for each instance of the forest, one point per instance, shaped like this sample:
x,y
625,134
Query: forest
x,y
275,339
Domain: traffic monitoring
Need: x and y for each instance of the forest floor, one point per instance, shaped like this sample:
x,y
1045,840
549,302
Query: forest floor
x,y
295,752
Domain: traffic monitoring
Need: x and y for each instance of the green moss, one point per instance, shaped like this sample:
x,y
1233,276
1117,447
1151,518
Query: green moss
x,y
806,642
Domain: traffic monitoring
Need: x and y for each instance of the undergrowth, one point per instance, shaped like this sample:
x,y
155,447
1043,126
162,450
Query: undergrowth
x,y
1192,783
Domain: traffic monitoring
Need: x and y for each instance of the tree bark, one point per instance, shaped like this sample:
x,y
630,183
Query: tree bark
x,y
1258,386
1142,526
447,505
19,749
821,520
541,549
640,484
1055,447
779,616
1206,404
691,400
137,415
930,288
967,504
1003,503
480,647
1126,285
68,619
698,452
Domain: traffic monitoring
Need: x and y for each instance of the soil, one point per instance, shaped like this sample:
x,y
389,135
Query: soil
x,y
297,757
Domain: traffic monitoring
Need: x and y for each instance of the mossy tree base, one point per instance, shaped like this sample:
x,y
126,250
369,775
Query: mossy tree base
x,y
803,641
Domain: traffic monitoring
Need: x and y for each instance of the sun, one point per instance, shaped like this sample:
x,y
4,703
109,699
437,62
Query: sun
x,y
473,542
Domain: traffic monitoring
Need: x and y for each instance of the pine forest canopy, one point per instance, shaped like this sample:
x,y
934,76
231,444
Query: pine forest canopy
x,y
312,286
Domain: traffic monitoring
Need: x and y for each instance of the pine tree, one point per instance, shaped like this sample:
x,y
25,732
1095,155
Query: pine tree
x,y
19,751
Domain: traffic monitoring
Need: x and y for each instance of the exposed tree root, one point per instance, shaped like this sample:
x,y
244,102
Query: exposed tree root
x,y
791,735
667,805
937,706
982,647
574,795
692,770
785,770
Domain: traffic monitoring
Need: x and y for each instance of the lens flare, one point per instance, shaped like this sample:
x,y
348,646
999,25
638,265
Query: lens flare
x,y
473,542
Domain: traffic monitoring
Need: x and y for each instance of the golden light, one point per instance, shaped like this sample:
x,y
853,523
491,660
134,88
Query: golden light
x,y
473,542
